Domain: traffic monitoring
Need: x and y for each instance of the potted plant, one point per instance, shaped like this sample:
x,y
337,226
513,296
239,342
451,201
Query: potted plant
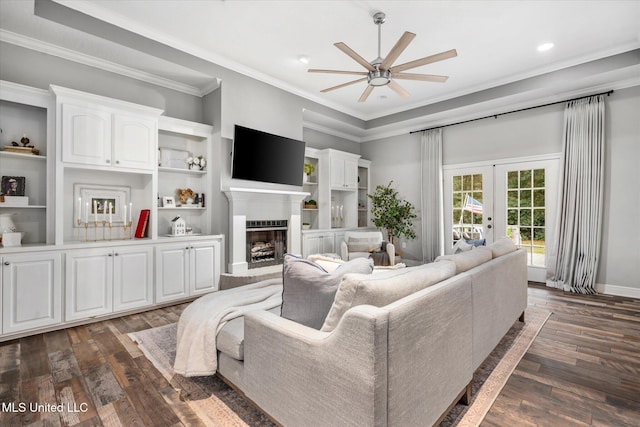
x,y
310,204
306,226
392,213
309,168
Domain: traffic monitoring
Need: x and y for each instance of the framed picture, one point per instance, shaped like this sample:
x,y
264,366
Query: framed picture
x,y
13,185
168,202
91,202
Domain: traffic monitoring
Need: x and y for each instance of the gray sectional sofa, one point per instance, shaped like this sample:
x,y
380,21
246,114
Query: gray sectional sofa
x,y
398,348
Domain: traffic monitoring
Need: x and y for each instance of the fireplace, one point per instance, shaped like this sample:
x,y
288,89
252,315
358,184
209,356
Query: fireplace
x,y
249,204
266,242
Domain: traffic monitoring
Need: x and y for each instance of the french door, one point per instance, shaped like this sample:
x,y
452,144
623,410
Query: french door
x,y
517,199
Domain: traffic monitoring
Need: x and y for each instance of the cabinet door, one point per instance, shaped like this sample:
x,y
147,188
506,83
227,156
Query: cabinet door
x,y
327,243
172,272
132,277
134,142
205,267
86,135
337,172
31,291
310,244
89,283
351,174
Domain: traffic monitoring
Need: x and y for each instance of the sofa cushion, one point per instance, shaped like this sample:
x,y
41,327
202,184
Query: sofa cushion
x,y
383,288
230,338
309,289
467,260
502,246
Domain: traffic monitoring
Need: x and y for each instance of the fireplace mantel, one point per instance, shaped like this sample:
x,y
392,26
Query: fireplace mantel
x,y
261,204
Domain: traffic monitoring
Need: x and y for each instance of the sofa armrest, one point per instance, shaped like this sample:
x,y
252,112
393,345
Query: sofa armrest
x,y
301,376
344,251
391,251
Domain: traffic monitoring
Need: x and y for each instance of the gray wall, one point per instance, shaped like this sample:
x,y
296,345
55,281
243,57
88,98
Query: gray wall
x,y
39,70
321,140
529,133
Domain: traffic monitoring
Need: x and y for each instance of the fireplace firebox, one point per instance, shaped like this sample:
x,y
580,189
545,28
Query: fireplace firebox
x,y
266,242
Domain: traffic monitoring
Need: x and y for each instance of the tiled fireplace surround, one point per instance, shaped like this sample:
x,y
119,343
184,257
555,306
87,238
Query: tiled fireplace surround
x,y
253,204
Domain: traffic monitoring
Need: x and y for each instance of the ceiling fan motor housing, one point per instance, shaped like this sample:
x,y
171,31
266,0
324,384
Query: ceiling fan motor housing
x,y
379,77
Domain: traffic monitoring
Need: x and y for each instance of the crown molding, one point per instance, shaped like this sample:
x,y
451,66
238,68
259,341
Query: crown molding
x,y
91,61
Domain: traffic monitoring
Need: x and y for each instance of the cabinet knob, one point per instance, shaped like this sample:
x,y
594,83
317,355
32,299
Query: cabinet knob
x,y
117,162
7,263
108,161
110,255
116,253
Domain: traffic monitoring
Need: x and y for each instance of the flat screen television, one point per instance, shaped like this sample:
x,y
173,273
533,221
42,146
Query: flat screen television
x,y
264,157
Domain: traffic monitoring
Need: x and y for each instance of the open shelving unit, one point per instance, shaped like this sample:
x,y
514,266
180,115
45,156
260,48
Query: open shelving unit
x,y
192,139
29,111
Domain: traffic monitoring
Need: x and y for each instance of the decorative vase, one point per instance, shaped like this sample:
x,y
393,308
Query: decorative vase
x,y
6,223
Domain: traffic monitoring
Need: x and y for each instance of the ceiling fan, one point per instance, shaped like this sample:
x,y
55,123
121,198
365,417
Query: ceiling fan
x,y
381,72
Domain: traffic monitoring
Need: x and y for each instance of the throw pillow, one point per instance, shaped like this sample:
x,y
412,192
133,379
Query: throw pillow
x,y
502,246
383,288
460,246
327,261
467,260
308,289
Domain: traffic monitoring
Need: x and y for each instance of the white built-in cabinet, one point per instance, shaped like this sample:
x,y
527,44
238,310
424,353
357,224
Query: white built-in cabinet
x,y
65,275
318,242
31,291
95,134
344,170
105,280
187,269
339,185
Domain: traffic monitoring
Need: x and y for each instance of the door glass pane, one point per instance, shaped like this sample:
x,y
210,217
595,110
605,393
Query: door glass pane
x,y
526,225
467,210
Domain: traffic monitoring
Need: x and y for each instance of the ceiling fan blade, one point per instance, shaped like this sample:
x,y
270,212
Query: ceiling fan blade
x,y
395,52
398,89
351,53
329,89
366,93
421,77
424,61
357,73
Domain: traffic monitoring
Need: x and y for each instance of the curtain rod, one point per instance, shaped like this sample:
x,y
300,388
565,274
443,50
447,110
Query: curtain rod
x,y
495,116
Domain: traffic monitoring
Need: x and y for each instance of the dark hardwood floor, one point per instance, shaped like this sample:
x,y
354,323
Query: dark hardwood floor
x,y
583,369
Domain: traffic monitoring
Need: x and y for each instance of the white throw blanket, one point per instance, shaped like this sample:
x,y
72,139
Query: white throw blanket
x,y
196,351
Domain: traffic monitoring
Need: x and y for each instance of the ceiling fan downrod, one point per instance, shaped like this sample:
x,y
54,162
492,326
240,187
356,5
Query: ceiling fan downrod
x,y
379,77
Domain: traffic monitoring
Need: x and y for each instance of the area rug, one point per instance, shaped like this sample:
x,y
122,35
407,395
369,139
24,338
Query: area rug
x,y
217,404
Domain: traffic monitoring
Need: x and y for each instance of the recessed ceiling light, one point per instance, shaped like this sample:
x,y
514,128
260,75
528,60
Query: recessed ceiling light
x,y
304,59
545,47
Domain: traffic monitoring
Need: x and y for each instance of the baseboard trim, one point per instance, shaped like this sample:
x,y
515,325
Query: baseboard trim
x,y
621,291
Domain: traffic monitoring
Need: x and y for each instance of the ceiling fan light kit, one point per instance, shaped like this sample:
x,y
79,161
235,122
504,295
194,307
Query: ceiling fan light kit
x,y
380,71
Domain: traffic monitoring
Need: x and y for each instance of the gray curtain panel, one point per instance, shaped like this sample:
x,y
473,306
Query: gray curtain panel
x,y
432,203
580,216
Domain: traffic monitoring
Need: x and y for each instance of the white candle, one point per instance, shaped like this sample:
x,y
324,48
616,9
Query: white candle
x,y
124,216
130,211
95,211
86,212
110,212
79,208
